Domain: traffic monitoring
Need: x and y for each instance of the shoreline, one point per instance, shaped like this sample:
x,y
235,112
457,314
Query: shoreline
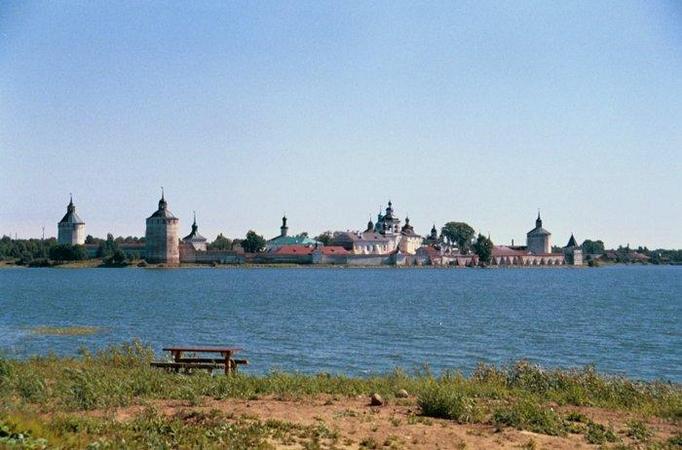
x,y
113,399
98,264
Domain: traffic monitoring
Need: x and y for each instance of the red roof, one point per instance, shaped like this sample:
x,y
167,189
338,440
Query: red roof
x,y
502,250
429,250
293,250
334,250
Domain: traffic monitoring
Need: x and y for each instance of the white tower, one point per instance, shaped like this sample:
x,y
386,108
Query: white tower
x,y
161,237
71,229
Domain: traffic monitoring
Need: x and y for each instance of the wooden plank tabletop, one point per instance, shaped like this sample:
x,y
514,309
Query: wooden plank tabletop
x,y
206,349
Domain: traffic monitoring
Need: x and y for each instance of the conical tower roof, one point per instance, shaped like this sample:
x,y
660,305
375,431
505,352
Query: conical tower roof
x,y
71,216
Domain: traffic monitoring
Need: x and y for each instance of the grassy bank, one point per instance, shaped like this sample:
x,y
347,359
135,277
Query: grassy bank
x,y
72,402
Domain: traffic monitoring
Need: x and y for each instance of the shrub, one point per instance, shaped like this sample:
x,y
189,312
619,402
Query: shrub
x,y
5,369
638,431
67,252
31,387
528,415
599,434
676,440
446,402
82,390
369,443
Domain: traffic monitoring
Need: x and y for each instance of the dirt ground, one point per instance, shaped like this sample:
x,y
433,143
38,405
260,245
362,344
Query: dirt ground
x,y
399,425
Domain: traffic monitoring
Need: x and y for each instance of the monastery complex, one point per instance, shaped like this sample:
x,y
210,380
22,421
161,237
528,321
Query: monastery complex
x,y
388,241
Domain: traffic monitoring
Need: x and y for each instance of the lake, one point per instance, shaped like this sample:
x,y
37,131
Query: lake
x,y
624,319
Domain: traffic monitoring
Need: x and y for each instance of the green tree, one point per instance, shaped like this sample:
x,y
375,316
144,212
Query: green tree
x,y
483,247
592,247
220,243
25,249
326,238
118,258
459,233
107,248
253,243
67,252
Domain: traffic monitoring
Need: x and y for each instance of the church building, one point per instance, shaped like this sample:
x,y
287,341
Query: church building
x,y
381,238
71,229
194,239
285,240
161,236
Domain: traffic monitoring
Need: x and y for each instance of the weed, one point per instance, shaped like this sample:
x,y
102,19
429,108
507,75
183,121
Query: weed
x,y
66,331
369,443
577,417
638,431
529,415
413,420
530,445
31,387
676,440
599,434
447,403
514,395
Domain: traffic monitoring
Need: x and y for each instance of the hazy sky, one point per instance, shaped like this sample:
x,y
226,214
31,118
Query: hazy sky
x,y
472,111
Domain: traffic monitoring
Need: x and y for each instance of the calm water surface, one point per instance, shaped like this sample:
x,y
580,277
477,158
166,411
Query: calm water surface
x,y
625,320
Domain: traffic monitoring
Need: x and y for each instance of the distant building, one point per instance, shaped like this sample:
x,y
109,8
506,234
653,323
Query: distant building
x,y
387,223
381,238
432,239
573,253
71,229
161,236
194,239
538,239
365,243
285,240
503,255
409,240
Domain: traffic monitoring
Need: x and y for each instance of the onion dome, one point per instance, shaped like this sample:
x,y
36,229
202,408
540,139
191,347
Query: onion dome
x,y
194,236
538,230
163,211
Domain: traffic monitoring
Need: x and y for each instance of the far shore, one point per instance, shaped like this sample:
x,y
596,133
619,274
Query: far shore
x,y
99,264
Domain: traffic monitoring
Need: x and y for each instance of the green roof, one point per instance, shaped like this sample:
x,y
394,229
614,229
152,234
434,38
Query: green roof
x,y
291,240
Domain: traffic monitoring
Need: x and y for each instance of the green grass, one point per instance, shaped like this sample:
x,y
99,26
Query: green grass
x,y
521,395
442,401
66,331
153,430
529,415
599,434
638,431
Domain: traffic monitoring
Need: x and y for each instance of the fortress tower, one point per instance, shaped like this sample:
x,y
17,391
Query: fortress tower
x,y
537,239
71,229
161,236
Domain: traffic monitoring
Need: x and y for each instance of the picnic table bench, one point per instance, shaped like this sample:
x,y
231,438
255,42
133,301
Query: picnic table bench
x,y
225,361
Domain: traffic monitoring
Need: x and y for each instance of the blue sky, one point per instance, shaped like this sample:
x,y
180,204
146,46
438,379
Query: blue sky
x,y
474,111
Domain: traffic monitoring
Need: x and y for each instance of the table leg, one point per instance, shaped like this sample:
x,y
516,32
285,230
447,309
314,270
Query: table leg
x,y
176,356
228,361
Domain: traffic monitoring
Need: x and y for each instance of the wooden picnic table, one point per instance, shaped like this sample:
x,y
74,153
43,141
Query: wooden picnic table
x,y
225,360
